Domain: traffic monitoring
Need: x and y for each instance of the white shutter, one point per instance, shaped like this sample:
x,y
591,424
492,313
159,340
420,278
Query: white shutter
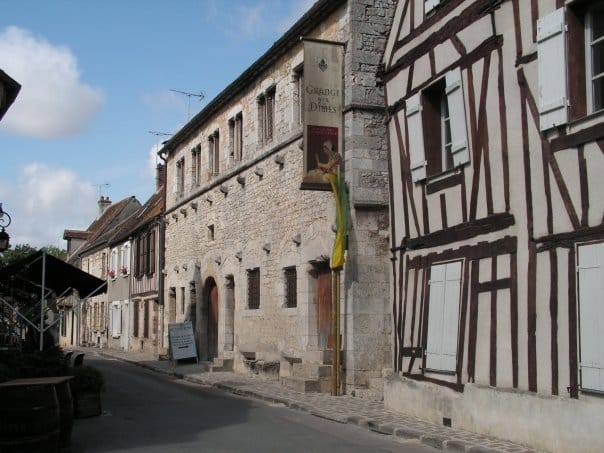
x,y
429,5
443,316
116,320
416,137
435,317
457,115
591,315
552,64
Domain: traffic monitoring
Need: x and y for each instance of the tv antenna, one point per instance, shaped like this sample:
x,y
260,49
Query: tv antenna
x,y
157,135
99,188
199,95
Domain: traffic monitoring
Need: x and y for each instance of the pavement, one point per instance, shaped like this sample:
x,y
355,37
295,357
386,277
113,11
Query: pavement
x,y
367,414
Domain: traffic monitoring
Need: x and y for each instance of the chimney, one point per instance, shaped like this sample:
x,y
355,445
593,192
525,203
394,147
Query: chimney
x,y
160,176
104,203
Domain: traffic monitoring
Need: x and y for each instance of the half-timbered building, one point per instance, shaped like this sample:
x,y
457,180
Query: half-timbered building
x,y
496,131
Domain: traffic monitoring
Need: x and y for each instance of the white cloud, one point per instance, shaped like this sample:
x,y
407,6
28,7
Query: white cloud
x,y
53,101
44,202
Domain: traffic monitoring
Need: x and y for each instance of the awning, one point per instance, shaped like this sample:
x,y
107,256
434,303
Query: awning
x,y
59,276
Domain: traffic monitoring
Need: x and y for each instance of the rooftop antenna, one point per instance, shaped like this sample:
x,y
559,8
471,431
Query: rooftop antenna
x,y
199,95
99,188
157,135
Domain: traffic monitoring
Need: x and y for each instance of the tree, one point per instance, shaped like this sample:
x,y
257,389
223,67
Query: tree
x,y
22,250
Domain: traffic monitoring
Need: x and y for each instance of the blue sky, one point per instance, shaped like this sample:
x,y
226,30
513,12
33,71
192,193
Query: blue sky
x,y
96,77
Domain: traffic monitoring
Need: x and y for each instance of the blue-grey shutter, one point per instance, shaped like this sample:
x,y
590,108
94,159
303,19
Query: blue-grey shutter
x,y
457,116
552,65
443,316
429,5
591,315
416,137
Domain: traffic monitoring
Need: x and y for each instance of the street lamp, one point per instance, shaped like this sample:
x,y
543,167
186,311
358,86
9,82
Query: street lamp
x,y
4,237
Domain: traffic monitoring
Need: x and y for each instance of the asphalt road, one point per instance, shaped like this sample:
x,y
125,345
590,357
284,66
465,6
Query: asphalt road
x,y
148,412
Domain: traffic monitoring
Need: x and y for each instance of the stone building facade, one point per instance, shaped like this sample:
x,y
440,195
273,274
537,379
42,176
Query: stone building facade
x,y
247,251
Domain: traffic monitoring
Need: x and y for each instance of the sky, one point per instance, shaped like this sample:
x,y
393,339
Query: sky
x,y
100,82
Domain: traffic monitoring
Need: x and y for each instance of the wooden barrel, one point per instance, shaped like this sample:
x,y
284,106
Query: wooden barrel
x,y
29,419
65,400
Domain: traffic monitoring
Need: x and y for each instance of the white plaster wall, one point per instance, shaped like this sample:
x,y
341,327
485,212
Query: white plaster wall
x,y
554,424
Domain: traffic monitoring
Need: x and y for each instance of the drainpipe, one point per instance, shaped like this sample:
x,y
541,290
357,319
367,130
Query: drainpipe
x,y
161,247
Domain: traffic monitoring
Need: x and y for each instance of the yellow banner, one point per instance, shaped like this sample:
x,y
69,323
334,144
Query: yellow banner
x,y
341,197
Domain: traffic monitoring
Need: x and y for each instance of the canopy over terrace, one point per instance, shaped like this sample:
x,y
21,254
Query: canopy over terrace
x,y
49,276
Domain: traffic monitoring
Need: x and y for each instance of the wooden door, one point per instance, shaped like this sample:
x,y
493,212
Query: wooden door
x,y
324,307
213,321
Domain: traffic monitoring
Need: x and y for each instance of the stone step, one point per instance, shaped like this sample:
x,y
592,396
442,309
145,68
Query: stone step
x,y
220,364
311,370
300,384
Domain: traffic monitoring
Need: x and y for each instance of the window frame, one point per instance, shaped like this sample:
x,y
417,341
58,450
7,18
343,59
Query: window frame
x,y
253,288
424,116
589,41
290,286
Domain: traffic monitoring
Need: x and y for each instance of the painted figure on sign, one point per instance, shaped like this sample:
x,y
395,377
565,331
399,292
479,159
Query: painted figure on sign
x,y
330,155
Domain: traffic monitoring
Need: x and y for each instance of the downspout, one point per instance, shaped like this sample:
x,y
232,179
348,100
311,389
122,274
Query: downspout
x,y
161,263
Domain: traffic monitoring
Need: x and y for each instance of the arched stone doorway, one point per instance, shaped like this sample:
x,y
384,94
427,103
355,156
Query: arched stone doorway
x,y
211,296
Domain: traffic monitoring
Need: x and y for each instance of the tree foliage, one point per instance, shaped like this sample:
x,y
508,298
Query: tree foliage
x,y
22,250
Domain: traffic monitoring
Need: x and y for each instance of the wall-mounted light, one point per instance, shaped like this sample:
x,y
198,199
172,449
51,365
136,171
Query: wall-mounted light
x,y
4,237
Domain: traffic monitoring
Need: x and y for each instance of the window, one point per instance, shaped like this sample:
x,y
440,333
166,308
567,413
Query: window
x,y
196,166
211,233
590,271
179,187
266,115
571,65
595,57
299,95
135,321
443,316
291,291
253,288
103,265
146,320
113,264
125,259
236,137
436,122
182,300
429,5
214,154
145,254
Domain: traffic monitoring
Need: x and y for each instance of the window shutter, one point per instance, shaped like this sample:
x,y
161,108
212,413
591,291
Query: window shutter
x,y
552,64
457,115
435,317
416,138
116,320
429,5
441,348
591,315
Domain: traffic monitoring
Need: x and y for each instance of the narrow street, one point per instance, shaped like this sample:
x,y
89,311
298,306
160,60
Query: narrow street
x,y
148,412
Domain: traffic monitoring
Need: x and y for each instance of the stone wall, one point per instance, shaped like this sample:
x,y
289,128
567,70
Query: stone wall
x,y
261,219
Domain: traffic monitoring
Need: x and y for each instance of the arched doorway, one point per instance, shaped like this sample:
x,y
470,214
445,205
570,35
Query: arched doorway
x,y
212,317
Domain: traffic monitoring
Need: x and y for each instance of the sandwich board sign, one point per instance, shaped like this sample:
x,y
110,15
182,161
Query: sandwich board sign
x,y
182,341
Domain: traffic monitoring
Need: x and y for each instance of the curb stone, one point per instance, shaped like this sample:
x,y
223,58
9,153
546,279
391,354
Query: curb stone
x,y
376,417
